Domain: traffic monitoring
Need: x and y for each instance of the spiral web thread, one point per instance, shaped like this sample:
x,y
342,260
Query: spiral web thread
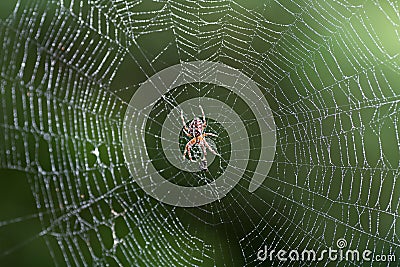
x,y
327,69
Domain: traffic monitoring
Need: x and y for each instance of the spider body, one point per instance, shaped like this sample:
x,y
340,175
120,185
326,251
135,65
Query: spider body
x,y
196,127
196,132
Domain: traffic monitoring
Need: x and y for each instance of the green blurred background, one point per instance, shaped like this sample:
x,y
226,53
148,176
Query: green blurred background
x,y
329,70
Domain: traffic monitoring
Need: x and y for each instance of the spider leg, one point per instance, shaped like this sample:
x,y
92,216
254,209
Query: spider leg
x,y
188,147
183,120
186,132
210,134
204,117
203,163
203,148
210,148
185,128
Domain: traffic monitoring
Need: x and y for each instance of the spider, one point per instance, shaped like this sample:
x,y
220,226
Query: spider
x,y
196,131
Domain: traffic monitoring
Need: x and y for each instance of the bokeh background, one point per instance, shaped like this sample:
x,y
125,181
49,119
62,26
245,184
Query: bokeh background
x,y
329,70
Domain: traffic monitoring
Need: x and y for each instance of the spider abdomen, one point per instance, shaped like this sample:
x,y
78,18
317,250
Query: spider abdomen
x,y
196,127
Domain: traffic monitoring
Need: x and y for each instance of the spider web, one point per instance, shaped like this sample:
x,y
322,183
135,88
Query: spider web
x,y
328,69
